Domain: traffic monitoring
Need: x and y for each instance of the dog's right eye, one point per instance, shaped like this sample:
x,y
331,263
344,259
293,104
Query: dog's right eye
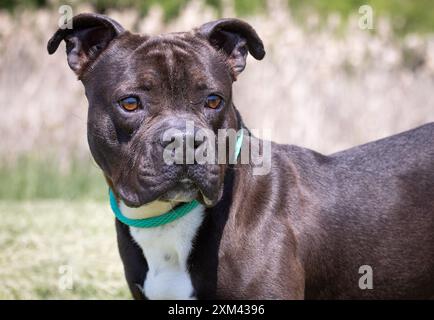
x,y
129,103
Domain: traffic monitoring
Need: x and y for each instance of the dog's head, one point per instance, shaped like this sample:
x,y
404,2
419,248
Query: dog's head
x,y
140,87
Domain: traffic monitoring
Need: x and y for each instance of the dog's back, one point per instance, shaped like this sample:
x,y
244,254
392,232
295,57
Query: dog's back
x,y
375,207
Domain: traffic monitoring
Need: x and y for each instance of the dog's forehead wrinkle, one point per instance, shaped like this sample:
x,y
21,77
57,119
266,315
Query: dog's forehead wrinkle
x,y
184,60
164,40
181,72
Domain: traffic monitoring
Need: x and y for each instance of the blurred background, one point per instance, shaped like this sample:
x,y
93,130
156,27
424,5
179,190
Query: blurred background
x,y
327,83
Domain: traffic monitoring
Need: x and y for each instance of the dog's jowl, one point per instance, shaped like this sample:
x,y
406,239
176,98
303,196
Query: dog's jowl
x,y
218,229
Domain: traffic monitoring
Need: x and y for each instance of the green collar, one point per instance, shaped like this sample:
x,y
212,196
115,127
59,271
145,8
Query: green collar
x,y
167,217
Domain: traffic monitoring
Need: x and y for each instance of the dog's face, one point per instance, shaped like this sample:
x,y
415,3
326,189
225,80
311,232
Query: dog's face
x,y
140,88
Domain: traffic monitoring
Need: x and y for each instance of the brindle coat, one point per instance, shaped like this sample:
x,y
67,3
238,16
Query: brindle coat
x,y
303,230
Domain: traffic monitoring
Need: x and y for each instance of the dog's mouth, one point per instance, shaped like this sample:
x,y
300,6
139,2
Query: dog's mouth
x,y
186,191
183,191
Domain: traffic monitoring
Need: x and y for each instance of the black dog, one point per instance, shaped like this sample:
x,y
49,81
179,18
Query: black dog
x,y
301,231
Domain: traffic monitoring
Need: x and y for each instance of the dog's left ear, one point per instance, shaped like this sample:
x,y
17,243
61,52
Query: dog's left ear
x,y
234,38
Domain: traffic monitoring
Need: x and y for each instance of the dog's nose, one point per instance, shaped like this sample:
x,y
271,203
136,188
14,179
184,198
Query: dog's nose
x,y
180,139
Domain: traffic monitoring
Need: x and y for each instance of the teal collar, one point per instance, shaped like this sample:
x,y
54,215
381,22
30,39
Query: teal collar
x,y
157,221
167,217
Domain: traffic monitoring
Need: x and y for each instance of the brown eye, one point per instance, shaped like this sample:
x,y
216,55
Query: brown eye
x,y
129,103
213,101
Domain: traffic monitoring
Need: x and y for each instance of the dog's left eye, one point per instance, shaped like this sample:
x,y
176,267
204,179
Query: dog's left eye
x,y
129,103
213,101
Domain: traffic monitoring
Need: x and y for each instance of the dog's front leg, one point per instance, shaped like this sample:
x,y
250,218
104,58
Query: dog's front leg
x,y
135,266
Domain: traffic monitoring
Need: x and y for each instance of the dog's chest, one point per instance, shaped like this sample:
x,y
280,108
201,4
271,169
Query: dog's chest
x,y
166,250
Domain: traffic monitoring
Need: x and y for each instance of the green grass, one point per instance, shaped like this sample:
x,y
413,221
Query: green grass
x,y
406,16
39,236
39,239
36,178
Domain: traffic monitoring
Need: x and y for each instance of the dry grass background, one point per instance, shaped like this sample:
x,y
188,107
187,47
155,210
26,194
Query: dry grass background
x,y
318,87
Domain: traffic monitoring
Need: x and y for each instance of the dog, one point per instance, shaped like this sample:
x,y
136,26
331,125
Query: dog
x,y
305,230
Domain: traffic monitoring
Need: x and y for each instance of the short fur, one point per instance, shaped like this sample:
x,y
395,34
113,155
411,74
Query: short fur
x,y
301,231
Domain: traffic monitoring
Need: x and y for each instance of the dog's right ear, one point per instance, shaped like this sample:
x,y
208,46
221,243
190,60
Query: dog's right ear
x,y
90,35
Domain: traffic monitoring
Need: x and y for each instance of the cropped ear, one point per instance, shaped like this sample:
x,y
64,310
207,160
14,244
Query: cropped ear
x,y
90,35
234,38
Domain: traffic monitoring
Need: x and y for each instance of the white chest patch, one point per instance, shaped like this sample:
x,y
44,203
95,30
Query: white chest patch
x,y
166,250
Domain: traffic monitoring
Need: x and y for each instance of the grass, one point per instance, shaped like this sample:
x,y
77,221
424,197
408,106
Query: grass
x,y
406,16
45,245
37,178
